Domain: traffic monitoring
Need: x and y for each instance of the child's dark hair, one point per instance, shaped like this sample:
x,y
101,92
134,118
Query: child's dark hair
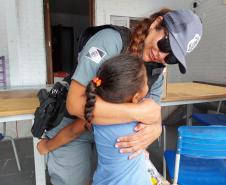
x,y
118,80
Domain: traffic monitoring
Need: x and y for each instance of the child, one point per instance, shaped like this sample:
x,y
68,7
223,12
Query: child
x,y
119,80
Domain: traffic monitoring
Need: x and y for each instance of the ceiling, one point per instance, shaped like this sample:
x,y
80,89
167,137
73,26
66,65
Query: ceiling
x,y
78,7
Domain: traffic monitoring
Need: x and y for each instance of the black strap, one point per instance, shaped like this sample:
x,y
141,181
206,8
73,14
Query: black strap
x,y
89,32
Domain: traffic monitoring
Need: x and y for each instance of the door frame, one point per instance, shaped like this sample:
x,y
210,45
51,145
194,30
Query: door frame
x,y
48,45
47,31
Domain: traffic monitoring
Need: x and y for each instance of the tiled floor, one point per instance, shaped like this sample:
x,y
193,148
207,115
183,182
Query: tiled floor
x,y
9,174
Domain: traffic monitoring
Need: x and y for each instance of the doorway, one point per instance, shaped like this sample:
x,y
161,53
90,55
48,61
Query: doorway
x,y
64,22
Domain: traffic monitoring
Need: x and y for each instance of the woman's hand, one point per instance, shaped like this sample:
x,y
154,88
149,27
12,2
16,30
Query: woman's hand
x,y
148,112
42,147
137,142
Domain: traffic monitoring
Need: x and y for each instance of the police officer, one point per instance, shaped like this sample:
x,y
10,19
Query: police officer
x,y
166,37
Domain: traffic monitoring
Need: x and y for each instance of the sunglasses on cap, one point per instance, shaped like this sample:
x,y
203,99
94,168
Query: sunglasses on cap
x,y
164,46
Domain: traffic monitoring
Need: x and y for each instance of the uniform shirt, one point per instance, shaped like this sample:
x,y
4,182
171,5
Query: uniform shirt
x,y
103,45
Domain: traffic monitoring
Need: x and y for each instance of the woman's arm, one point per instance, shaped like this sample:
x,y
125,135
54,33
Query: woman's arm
x,y
104,113
63,137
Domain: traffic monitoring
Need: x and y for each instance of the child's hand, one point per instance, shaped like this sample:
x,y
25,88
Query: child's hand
x,y
42,147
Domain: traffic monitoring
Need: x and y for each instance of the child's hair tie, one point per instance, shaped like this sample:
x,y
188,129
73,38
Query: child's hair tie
x,y
97,81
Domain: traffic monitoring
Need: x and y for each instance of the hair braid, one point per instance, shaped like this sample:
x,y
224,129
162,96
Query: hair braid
x,y
138,37
141,31
90,103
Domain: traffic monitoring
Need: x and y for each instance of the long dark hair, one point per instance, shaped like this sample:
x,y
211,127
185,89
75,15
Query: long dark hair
x,y
118,80
141,31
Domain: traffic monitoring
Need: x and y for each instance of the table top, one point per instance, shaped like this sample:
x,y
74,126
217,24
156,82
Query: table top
x,y
193,91
18,102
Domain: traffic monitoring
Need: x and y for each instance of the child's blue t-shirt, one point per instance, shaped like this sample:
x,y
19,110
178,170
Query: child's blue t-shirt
x,y
113,167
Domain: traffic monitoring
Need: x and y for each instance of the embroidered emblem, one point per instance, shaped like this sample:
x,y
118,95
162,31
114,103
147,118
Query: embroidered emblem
x,y
95,54
193,43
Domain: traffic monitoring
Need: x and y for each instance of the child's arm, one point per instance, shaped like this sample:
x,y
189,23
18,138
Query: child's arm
x,y
63,137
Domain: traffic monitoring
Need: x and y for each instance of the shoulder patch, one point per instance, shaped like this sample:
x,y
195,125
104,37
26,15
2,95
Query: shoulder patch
x,y
95,54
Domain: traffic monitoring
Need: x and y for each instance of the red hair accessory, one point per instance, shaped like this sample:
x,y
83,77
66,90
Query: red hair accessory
x,y
97,81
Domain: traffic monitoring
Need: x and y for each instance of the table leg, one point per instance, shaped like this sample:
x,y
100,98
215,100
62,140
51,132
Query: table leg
x,y
164,149
40,176
189,113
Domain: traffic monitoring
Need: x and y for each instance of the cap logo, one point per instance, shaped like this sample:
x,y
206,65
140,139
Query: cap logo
x,y
193,43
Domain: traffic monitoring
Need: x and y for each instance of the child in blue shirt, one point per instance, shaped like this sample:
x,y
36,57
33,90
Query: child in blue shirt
x,y
121,79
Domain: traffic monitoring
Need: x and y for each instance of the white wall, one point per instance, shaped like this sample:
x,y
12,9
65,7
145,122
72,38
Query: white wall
x,y
25,41
208,61
3,30
134,8
3,38
32,48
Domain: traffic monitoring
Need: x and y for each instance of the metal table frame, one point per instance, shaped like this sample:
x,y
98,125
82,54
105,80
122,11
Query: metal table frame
x,y
38,159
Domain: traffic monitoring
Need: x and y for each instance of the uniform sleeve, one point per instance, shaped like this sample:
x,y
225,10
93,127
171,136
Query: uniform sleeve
x,y
157,89
103,45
